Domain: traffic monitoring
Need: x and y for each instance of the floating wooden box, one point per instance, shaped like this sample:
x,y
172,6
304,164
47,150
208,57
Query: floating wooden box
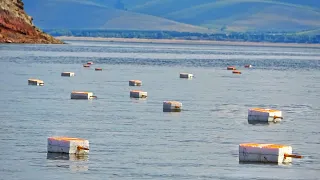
x,y
236,72
138,94
68,74
35,82
82,95
172,106
68,145
186,75
264,115
135,83
231,68
266,153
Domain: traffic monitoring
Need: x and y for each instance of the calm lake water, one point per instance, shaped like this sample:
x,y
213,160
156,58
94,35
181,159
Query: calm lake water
x,y
134,139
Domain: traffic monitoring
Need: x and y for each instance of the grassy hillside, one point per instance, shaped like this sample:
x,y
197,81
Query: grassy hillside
x,y
164,7
309,32
147,6
177,15
86,14
237,15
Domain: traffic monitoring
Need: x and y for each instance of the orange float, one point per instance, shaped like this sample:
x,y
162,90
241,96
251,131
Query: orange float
x,y
231,68
236,72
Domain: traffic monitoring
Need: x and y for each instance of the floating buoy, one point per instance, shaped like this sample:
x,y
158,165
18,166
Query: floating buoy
x,y
82,95
35,82
248,66
98,69
138,94
86,65
172,106
266,153
231,68
68,145
89,63
236,72
186,75
135,83
264,115
68,74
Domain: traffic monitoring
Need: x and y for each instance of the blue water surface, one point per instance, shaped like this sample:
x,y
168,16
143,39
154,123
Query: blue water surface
x,y
134,139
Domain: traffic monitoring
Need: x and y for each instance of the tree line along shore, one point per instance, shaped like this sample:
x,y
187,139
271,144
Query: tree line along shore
x,y
268,37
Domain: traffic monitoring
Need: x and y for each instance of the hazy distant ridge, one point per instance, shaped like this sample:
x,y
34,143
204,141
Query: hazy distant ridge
x,y
177,15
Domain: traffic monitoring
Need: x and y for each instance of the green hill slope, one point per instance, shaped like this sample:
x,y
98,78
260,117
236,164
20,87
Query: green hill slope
x,y
238,15
309,32
177,15
86,14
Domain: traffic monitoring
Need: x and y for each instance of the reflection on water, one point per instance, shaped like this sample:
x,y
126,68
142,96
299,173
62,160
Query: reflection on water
x,y
138,99
266,163
78,168
172,110
263,123
64,156
69,161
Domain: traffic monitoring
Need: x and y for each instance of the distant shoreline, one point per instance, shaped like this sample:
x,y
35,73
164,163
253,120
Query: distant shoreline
x,y
181,41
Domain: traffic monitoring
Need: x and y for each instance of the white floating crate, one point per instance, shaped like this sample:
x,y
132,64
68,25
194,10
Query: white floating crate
x,y
82,95
68,74
138,94
264,115
266,153
68,145
135,83
186,75
35,82
169,106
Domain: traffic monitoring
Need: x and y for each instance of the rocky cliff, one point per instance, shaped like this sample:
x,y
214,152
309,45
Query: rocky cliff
x,y
17,27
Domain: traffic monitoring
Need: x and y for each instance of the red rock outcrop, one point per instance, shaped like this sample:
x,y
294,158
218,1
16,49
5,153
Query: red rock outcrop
x,y
17,27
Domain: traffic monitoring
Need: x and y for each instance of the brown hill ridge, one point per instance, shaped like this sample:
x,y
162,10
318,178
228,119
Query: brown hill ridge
x,y
17,27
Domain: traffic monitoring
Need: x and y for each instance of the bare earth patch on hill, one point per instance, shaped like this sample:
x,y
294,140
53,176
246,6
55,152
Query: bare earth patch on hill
x,y
16,26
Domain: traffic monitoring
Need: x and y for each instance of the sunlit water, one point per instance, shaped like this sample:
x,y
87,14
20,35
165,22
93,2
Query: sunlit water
x,y
134,139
